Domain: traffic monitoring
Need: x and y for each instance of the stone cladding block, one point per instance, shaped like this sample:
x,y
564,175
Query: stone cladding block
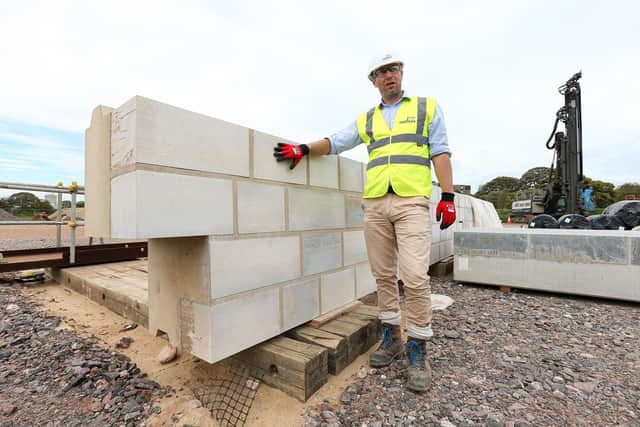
x,y
434,253
260,207
265,166
350,175
146,204
467,214
241,265
300,302
323,171
355,213
355,248
446,249
147,131
365,282
321,252
237,324
97,177
435,233
315,210
336,289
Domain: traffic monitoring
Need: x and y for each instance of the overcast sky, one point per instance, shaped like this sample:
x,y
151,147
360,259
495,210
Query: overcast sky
x,y
298,70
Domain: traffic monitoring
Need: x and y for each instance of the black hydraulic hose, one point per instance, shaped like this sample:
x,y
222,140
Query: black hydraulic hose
x,y
553,132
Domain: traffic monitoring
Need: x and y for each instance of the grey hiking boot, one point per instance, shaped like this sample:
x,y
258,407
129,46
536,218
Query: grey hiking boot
x,y
419,371
390,348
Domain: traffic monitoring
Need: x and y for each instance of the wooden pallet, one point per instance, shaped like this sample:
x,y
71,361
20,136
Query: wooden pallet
x,y
297,368
442,268
336,345
299,362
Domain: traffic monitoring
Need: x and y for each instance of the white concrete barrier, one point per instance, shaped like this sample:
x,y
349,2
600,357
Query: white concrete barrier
x,y
583,262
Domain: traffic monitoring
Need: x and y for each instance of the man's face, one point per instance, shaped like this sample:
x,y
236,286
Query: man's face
x,y
388,80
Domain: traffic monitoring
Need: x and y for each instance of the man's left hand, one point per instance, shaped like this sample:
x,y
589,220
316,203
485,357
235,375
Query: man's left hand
x,y
446,210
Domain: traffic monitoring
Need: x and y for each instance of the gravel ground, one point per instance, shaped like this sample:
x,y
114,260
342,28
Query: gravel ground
x,y
49,376
508,359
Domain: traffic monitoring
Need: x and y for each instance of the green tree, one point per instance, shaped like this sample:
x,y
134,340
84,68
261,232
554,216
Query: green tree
x,y
500,199
24,203
501,183
66,204
80,204
535,178
628,189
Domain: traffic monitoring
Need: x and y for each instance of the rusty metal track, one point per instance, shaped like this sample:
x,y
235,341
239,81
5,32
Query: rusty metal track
x,y
25,259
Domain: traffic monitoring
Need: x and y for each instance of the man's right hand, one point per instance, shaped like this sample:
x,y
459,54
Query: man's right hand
x,y
291,152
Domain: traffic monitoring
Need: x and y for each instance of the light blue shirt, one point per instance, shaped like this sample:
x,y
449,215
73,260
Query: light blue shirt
x,y
349,137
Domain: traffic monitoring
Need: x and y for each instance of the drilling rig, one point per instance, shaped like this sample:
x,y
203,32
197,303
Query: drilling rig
x,y
563,193
564,190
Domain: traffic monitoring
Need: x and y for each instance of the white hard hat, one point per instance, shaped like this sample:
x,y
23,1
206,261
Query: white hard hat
x,y
384,59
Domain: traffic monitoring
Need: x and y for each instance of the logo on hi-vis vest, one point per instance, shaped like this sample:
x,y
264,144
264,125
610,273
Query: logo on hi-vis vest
x,y
410,119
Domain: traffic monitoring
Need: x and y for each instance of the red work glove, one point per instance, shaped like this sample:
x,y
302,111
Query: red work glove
x,y
446,210
291,152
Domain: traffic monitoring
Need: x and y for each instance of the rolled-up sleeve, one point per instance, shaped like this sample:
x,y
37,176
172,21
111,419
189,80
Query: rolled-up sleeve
x,y
345,139
438,140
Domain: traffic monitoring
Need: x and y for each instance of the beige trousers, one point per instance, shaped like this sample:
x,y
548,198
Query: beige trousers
x,y
399,229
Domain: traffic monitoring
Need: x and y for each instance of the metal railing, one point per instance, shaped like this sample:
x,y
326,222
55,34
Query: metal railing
x,y
74,189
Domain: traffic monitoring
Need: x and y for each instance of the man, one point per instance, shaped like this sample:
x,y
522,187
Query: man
x,y
587,201
403,135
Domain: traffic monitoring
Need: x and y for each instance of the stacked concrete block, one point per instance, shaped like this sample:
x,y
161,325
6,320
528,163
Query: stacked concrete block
x,y
241,248
583,262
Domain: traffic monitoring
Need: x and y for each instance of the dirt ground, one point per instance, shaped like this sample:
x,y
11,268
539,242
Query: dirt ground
x,y
271,406
40,231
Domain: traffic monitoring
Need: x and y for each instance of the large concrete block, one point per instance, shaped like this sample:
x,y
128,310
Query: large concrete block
x,y
241,265
436,194
321,252
447,249
434,253
435,233
224,329
300,302
365,282
265,166
582,262
97,177
123,135
314,210
178,268
350,174
583,249
336,289
148,131
511,245
146,204
355,248
260,208
355,213
323,171
635,250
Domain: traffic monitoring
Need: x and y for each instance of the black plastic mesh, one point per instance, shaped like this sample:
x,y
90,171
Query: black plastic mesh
x,y
229,396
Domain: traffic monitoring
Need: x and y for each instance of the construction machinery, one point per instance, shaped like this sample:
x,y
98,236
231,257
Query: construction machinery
x,y
527,205
565,184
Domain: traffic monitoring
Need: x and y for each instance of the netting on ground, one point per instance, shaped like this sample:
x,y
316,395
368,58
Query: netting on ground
x,y
228,396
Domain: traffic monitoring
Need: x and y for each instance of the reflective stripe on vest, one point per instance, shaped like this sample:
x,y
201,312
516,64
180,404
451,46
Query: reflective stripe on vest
x,y
398,157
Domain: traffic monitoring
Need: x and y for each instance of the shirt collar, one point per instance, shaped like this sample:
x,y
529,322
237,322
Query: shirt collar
x,y
404,96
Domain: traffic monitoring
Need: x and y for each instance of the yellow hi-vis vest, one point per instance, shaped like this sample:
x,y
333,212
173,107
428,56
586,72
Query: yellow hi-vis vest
x,y
399,157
